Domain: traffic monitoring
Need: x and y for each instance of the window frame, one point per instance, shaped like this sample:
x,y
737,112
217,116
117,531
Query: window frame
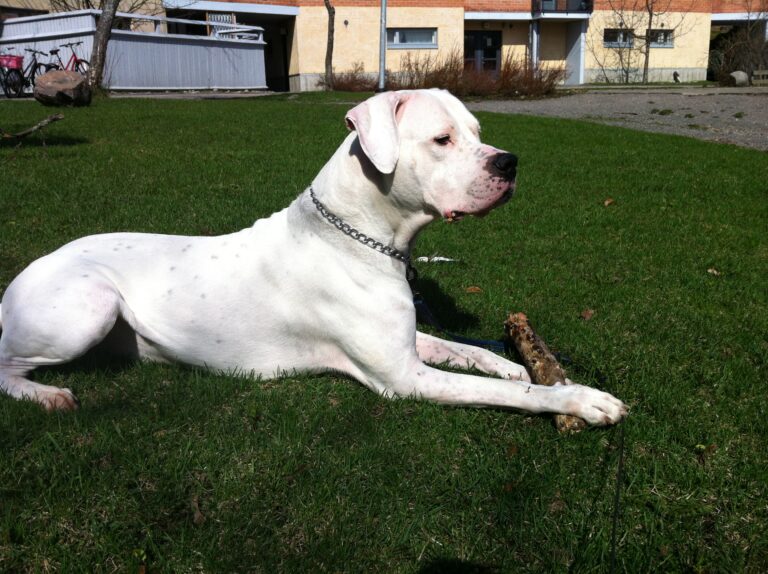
x,y
628,42
670,34
396,44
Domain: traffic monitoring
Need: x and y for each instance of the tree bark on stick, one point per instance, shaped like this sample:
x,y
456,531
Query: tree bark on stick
x,y
329,44
541,364
100,41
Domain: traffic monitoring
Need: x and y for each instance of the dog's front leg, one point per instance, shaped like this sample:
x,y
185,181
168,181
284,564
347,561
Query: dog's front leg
x,y
441,352
425,382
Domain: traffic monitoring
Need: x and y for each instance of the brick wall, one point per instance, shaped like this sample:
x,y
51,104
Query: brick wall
x,y
469,5
713,6
661,5
361,3
753,6
716,6
270,2
497,5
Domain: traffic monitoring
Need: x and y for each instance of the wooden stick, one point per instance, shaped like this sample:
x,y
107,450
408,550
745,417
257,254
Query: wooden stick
x,y
38,126
540,362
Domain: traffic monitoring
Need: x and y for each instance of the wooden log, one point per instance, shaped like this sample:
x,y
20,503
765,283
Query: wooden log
x,y
541,364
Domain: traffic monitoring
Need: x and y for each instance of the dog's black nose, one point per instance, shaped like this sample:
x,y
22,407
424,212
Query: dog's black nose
x,y
506,163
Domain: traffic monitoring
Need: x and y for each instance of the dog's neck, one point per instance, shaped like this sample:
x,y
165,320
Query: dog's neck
x,y
351,187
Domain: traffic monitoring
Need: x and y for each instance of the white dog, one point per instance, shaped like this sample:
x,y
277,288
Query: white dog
x,y
320,286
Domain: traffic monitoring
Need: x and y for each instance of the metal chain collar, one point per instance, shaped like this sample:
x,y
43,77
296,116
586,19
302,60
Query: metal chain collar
x,y
347,229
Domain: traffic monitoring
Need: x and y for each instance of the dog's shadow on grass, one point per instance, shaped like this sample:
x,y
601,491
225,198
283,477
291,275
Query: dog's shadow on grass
x,y
442,307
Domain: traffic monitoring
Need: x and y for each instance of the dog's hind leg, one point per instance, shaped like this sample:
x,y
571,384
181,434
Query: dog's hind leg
x,y
50,326
14,384
441,352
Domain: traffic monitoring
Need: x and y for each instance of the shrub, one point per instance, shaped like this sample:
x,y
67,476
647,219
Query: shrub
x,y
516,78
428,71
355,80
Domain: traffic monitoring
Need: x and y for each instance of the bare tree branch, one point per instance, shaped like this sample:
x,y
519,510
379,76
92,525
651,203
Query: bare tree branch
x,y
4,135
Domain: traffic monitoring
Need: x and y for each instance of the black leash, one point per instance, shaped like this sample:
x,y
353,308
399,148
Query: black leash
x,y
425,315
617,499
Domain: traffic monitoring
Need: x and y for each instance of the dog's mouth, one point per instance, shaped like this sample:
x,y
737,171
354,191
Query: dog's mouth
x,y
454,215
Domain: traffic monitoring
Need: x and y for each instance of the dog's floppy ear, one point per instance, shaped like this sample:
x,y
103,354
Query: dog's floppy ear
x,y
375,122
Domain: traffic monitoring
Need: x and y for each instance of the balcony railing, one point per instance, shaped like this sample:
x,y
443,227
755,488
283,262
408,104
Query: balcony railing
x,y
562,6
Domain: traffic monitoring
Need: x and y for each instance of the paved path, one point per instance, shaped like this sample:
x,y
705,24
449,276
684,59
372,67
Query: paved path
x,y
730,115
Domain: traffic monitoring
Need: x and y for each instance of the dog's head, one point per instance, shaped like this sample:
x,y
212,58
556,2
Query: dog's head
x,y
427,145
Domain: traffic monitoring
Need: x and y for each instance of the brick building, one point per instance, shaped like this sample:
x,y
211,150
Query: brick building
x,y
594,40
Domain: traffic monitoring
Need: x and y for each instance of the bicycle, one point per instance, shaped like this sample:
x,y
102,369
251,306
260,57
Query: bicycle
x,y
35,69
11,76
74,63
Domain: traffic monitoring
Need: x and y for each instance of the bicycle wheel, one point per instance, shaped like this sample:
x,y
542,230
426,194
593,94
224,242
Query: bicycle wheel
x,y
14,83
39,70
82,66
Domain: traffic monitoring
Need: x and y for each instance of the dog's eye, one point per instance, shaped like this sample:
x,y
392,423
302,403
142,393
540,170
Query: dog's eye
x,y
443,140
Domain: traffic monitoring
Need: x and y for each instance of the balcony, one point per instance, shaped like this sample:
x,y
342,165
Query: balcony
x,y
562,6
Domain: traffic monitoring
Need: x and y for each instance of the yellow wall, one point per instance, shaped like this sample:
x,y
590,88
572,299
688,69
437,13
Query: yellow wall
x,y
293,56
552,45
359,40
515,41
690,51
42,5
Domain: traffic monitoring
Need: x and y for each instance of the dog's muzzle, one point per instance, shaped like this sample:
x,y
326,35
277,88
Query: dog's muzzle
x,y
502,170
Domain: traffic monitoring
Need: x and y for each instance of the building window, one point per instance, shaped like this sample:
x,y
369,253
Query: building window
x,y
618,38
662,39
411,37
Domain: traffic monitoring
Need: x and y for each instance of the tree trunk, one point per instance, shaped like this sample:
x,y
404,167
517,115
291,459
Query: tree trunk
x,y
647,40
329,44
100,40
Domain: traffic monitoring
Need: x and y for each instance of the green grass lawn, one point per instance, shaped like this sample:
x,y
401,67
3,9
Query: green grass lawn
x,y
170,469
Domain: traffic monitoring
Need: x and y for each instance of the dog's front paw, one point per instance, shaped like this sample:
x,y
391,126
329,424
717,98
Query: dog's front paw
x,y
595,407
